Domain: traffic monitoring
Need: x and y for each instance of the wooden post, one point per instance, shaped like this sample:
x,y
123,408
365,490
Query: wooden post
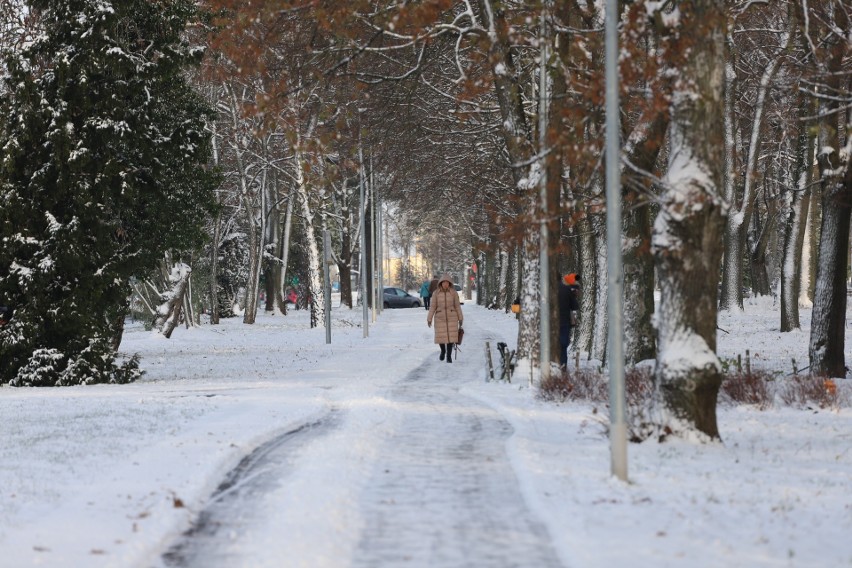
x,y
748,363
490,376
795,370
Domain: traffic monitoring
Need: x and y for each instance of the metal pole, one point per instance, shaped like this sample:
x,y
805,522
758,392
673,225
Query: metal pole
x,y
386,270
381,251
618,422
544,261
362,280
373,248
326,245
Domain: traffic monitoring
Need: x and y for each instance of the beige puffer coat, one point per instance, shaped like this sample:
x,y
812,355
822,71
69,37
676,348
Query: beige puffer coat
x,y
445,311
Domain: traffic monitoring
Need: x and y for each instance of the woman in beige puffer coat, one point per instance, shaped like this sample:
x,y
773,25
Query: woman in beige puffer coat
x,y
445,311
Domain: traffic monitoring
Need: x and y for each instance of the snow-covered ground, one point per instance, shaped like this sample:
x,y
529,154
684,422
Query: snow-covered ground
x,y
281,450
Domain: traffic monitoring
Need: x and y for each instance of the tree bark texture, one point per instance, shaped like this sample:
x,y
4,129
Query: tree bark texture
x,y
796,200
642,149
315,287
828,320
687,241
168,314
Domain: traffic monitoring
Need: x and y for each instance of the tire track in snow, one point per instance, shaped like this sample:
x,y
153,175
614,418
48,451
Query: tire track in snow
x,y
239,497
444,492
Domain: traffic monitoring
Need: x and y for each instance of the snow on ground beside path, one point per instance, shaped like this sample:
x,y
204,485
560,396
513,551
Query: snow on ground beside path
x,y
110,475
776,493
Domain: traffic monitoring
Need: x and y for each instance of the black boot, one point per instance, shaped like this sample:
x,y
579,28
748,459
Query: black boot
x,y
450,352
443,351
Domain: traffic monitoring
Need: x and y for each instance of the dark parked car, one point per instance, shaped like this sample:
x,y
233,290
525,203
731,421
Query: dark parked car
x,y
399,298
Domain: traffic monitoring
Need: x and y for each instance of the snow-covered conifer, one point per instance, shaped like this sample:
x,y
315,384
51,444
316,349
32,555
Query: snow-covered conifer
x,y
102,155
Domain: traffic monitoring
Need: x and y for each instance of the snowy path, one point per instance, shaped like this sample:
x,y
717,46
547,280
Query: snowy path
x,y
443,492
236,505
429,484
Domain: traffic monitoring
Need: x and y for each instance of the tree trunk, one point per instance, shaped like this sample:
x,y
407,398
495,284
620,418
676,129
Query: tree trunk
x,y
116,328
502,281
345,214
315,288
758,244
168,314
189,314
810,250
796,201
687,241
272,266
344,268
639,342
215,241
255,247
285,253
828,321
642,149
584,334
254,219
731,279
601,286
369,274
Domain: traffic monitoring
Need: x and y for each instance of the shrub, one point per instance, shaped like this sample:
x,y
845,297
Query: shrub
x,y
759,388
805,391
584,384
753,387
593,386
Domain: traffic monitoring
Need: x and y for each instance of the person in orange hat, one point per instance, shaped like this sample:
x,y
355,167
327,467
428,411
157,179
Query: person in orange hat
x,y
568,308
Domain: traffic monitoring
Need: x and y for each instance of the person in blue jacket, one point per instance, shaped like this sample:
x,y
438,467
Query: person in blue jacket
x,y
426,294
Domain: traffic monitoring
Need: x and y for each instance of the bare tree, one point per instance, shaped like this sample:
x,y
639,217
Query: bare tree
x,y
742,196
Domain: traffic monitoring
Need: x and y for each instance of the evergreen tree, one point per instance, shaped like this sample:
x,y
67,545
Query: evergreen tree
x,y
102,169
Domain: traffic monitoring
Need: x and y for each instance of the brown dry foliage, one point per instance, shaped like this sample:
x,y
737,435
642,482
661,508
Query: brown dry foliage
x,y
807,391
758,388
747,388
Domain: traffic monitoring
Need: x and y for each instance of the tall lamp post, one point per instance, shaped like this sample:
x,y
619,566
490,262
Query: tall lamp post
x,y
373,247
617,420
544,261
362,280
327,262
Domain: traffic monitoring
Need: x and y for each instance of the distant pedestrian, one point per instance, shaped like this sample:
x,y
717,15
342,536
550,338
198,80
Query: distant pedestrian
x,y
291,296
568,308
433,285
425,294
572,279
447,314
